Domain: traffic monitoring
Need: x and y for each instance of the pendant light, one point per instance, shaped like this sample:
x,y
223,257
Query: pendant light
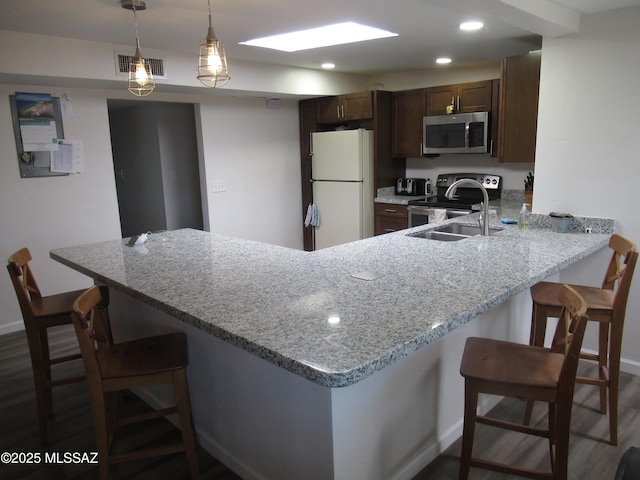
x,y
141,81
212,64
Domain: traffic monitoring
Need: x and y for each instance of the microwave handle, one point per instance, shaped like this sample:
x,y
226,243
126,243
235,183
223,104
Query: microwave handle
x,y
466,135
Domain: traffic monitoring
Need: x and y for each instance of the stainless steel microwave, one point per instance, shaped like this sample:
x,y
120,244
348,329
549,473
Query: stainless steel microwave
x,y
456,133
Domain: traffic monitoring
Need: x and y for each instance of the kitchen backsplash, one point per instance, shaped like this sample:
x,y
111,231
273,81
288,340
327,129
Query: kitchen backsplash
x,y
513,174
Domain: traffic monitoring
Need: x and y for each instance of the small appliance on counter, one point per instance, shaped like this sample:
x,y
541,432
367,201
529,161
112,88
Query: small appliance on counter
x,y
560,222
411,186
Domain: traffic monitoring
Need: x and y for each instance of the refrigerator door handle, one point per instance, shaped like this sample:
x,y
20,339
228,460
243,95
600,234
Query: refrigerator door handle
x,y
336,181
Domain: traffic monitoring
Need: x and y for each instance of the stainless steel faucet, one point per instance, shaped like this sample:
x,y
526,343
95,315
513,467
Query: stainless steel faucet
x,y
484,220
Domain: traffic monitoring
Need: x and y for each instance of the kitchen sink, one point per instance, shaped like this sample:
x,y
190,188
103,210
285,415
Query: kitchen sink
x,y
452,232
467,230
442,236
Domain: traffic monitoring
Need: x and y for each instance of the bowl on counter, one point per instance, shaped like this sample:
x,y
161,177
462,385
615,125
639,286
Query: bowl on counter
x,y
560,222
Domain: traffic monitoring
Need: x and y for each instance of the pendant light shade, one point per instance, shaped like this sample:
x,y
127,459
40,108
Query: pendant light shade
x,y
141,81
213,70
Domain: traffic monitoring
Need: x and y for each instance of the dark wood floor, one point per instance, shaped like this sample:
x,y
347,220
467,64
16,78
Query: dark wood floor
x,y
71,430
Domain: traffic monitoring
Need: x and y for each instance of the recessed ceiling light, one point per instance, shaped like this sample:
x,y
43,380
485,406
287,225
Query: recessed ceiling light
x,y
443,60
337,34
468,26
328,66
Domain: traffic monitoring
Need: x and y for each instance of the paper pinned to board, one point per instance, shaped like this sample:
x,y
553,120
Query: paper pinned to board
x,y
69,157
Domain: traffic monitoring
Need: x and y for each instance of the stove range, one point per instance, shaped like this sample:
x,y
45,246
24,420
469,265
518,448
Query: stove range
x,y
466,200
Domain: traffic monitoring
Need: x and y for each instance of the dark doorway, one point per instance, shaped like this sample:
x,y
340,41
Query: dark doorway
x,y
155,162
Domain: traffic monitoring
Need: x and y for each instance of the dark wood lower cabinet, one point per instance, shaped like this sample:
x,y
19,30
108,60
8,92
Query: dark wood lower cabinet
x,y
390,218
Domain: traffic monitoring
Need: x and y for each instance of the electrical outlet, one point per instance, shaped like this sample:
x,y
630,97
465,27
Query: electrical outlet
x,y
219,186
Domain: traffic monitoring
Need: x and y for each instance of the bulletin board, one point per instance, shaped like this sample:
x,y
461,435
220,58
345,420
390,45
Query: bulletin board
x,y
37,125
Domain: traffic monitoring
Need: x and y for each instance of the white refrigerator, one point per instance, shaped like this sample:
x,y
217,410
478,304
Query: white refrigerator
x,y
342,176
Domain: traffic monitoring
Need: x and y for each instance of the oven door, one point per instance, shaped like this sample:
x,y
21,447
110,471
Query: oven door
x,y
456,212
418,215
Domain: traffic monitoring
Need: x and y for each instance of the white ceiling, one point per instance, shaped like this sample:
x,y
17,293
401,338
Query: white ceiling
x,y
427,28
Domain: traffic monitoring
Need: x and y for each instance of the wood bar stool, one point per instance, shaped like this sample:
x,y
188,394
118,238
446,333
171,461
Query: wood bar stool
x,y
112,368
606,305
40,313
509,369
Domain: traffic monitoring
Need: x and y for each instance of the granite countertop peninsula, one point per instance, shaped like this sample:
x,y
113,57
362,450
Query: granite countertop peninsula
x,y
337,315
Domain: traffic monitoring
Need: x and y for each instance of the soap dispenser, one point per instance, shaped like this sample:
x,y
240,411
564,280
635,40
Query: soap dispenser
x,y
524,222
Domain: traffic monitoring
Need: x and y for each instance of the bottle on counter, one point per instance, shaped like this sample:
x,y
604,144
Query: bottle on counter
x,y
524,222
427,187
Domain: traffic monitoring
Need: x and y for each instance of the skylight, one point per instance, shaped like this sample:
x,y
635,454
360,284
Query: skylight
x,y
337,34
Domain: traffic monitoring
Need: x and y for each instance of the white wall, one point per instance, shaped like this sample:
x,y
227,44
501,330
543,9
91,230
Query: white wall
x,y
91,64
44,213
587,147
254,149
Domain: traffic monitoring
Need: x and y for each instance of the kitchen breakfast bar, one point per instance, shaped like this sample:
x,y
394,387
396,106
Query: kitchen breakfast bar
x,y
337,364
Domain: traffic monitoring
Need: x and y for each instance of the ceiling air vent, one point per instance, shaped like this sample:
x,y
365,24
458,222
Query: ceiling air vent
x,y
122,66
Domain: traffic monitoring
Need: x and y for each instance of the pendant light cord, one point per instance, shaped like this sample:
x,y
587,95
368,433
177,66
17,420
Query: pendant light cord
x,y
135,25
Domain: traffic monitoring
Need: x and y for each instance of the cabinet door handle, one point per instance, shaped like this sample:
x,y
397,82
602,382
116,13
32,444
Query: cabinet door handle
x,y
390,210
338,111
458,104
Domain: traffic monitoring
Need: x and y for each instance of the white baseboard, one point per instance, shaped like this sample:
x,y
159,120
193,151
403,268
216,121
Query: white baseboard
x,y
626,365
630,366
11,328
439,445
204,440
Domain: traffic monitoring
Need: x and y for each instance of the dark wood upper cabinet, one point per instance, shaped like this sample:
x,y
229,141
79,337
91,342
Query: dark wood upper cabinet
x,y
407,109
466,97
519,87
352,106
494,118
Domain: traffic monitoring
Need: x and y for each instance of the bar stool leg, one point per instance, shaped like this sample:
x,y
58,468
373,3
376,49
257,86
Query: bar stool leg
x,y
183,403
538,331
468,429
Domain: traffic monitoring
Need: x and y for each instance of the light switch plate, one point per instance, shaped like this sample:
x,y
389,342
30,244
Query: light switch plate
x,y
218,186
